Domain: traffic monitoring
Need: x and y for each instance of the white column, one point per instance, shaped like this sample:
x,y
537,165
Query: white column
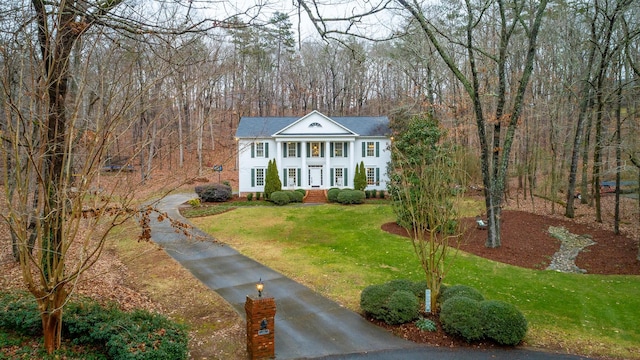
x,y
352,162
279,163
327,171
303,165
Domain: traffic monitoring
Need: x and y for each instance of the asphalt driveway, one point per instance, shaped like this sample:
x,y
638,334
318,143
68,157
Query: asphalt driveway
x,y
307,325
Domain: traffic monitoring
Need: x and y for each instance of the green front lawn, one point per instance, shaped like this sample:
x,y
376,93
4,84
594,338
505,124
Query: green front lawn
x,y
339,250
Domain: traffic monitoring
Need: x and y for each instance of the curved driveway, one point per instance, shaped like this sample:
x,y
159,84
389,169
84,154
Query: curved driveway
x,y
307,325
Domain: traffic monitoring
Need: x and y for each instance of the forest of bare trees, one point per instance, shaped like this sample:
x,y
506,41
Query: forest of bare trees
x,y
193,86
546,94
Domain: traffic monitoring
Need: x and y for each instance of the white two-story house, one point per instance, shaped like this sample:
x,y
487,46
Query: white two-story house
x,y
312,152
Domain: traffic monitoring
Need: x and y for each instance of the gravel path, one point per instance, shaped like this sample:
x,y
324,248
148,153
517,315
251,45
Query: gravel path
x,y
571,245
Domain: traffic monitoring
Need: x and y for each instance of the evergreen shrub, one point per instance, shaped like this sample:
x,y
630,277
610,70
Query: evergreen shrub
x,y
123,335
351,197
279,198
393,302
459,290
417,288
249,196
460,316
295,196
272,181
402,307
360,177
19,312
332,194
143,335
299,197
401,284
213,192
373,299
502,322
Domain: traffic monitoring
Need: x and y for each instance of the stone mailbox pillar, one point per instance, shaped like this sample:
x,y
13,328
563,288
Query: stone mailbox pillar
x,y
261,312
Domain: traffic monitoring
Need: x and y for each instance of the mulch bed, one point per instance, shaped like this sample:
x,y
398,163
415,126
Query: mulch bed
x,y
526,243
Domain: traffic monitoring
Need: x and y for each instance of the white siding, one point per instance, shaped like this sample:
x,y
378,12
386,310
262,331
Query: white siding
x,y
377,159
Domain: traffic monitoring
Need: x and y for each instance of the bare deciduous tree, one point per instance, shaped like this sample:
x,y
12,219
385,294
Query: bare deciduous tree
x,y
56,143
506,22
423,176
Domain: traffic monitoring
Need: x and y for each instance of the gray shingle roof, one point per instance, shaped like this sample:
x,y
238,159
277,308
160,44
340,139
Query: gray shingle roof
x,y
260,127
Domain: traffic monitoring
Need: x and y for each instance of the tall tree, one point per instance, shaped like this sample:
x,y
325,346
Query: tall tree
x,y
58,148
272,182
603,22
423,171
360,177
506,23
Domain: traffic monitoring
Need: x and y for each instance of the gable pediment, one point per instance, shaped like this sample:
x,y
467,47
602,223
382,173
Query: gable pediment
x,y
315,123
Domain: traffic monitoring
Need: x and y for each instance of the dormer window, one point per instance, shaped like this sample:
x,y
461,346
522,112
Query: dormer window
x,y
315,124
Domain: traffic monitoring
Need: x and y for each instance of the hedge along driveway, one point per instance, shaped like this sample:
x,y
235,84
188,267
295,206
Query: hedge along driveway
x,y
339,250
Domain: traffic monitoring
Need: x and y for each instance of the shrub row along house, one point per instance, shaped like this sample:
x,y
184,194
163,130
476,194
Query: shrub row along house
x,y
312,152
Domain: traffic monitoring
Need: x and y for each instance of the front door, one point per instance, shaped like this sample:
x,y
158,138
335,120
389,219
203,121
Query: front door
x,y
315,176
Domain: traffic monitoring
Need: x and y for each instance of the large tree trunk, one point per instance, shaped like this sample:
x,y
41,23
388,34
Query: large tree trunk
x,y
597,158
616,218
56,57
600,42
587,196
584,103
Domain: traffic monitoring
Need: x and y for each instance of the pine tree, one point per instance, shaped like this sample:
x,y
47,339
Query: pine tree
x,y
272,181
360,177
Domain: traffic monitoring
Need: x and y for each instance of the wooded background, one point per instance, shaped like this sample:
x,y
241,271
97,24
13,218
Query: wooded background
x,y
192,87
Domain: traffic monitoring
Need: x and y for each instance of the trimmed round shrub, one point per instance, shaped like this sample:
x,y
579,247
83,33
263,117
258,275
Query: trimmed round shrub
x,y
393,302
402,306
214,192
302,191
401,284
249,196
502,322
373,299
332,194
291,195
460,316
351,197
295,196
459,290
418,288
279,198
